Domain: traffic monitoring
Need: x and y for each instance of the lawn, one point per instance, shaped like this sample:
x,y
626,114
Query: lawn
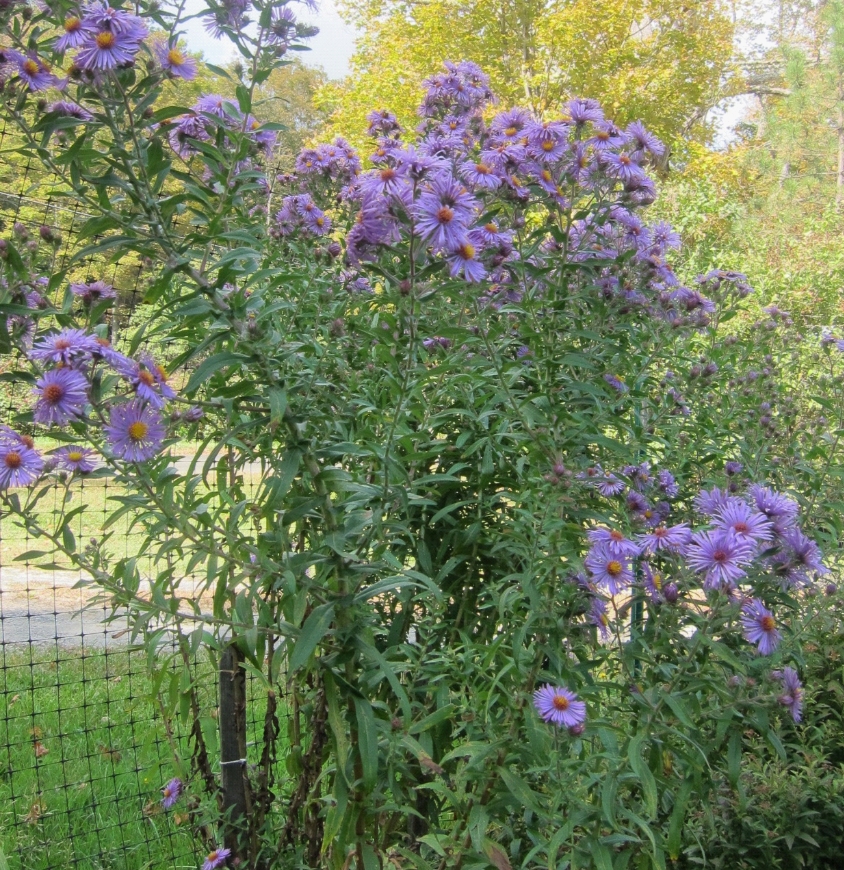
x,y
82,760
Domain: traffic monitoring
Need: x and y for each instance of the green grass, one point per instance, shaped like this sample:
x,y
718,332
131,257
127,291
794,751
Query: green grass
x,y
90,800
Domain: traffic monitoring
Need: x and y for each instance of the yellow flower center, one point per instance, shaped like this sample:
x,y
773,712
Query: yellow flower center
x,y
105,39
138,430
547,146
511,131
467,251
30,67
614,568
74,456
72,24
491,228
175,57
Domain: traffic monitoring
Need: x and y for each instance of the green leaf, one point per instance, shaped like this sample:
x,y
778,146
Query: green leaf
x,y
213,364
646,778
367,742
678,815
734,759
313,631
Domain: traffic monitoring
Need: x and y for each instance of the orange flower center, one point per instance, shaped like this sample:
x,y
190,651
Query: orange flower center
x,y
614,568
445,215
146,378
561,703
388,174
491,228
53,393
212,856
105,39
482,169
13,459
616,535
138,430
624,160
741,527
27,439
30,67
766,623
72,24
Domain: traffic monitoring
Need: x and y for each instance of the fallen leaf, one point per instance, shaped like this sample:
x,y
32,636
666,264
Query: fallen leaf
x,y
112,755
36,811
37,732
40,749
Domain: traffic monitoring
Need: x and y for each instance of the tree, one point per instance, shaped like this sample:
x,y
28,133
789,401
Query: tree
x,y
654,60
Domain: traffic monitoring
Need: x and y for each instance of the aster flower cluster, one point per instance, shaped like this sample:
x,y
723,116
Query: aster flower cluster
x,y
751,537
209,114
103,37
438,185
135,430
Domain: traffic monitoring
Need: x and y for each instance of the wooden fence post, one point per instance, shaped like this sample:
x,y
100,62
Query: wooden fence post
x,y
235,780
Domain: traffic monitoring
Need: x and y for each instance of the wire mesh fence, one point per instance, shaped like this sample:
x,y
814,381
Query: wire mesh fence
x,y
84,749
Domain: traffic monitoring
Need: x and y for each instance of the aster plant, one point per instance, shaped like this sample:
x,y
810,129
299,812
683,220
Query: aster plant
x,y
445,504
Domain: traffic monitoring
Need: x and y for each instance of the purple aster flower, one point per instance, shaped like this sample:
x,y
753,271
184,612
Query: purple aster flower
x,y
654,584
34,73
62,394
150,383
799,560
464,259
666,482
20,465
778,508
93,292
745,523
792,696
636,502
480,175
614,542
712,501
623,167
731,468
171,793
597,616
559,705
76,30
106,50
118,361
65,109
216,859
443,212
616,383
645,143
508,126
720,556
282,25
674,539
173,60
609,485
583,111
607,136
78,459
759,627
218,106
609,569
104,17
490,235
135,431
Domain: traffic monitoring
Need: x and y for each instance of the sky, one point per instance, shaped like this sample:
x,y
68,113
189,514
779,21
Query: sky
x,y
330,49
